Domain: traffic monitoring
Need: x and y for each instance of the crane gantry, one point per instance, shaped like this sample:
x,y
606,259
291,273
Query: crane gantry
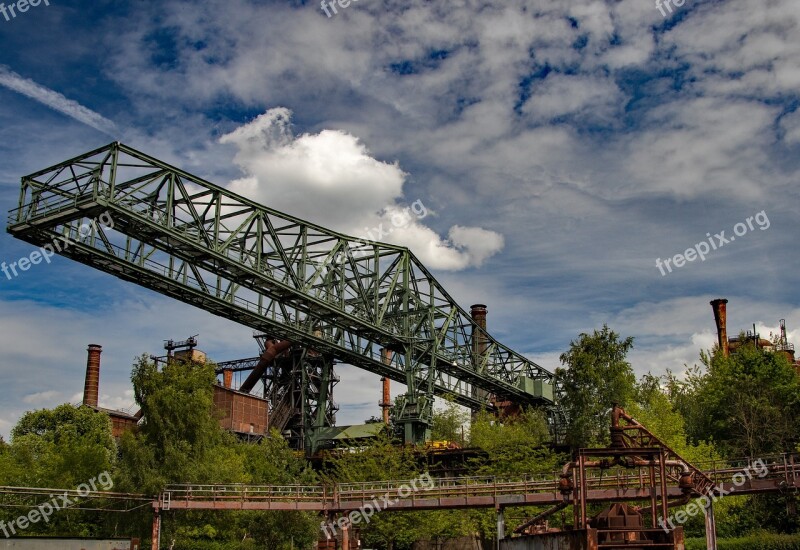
x,y
346,298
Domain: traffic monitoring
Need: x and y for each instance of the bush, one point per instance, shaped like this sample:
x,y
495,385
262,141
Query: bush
x,y
760,541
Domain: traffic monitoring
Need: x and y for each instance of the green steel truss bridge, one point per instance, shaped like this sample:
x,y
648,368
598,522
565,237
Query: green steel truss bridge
x,y
346,298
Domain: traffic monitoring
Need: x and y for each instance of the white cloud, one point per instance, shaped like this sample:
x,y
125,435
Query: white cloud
x,y
331,179
55,100
559,95
41,398
791,125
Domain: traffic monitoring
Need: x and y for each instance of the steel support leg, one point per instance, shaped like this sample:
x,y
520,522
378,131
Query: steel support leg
x,y
156,529
711,527
501,526
345,537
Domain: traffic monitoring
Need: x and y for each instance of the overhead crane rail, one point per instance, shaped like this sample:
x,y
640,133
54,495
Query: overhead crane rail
x,y
197,242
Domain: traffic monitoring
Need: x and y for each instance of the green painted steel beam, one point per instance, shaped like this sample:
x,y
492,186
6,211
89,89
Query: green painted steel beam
x,y
199,243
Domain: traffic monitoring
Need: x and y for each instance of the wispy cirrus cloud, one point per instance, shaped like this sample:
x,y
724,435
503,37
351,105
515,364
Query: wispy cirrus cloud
x,y
56,101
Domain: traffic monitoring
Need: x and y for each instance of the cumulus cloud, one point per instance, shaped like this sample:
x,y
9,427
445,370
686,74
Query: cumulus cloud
x,y
330,178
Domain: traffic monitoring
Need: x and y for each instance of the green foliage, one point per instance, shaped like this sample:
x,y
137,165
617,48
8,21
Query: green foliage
x,y
180,439
516,446
652,408
59,448
597,376
760,541
746,403
379,459
448,423
62,447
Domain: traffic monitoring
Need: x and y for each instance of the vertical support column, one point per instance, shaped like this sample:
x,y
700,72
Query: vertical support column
x,y
582,481
501,526
156,534
653,494
346,536
711,526
662,472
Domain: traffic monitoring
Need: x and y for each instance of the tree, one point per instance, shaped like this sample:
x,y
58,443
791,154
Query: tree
x,y
448,423
746,402
595,378
62,447
66,447
180,439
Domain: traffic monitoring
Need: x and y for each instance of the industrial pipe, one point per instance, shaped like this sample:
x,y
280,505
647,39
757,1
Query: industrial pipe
x,y
272,350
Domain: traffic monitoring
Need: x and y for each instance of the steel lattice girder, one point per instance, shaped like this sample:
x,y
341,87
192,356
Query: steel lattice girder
x,y
202,244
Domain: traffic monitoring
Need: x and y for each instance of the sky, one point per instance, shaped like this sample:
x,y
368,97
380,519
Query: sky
x,y
564,151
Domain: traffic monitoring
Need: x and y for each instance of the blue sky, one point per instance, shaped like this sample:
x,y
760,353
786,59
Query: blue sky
x,y
559,148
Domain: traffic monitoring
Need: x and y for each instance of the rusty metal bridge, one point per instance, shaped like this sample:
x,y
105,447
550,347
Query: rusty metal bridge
x,y
781,473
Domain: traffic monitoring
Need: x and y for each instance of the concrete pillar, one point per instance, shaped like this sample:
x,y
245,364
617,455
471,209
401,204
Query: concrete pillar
x,y
711,527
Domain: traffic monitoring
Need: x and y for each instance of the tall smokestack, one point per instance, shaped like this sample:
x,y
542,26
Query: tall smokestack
x,y
386,401
479,342
721,318
91,388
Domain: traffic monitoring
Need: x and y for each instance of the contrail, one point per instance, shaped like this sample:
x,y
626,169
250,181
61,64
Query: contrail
x,y
55,100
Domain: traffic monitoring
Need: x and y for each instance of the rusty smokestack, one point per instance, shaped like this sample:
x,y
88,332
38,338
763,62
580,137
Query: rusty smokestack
x,y
91,388
479,341
227,378
721,319
386,401
480,344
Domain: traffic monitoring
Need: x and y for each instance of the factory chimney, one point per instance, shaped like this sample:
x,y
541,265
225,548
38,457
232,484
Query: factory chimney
x,y
480,344
479,341
721,318
386,397
91,388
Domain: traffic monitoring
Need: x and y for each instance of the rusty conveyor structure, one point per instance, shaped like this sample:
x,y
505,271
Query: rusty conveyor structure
x,y
463,492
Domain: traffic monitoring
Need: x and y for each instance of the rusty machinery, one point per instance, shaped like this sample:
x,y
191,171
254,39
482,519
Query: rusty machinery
x,y
634,452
